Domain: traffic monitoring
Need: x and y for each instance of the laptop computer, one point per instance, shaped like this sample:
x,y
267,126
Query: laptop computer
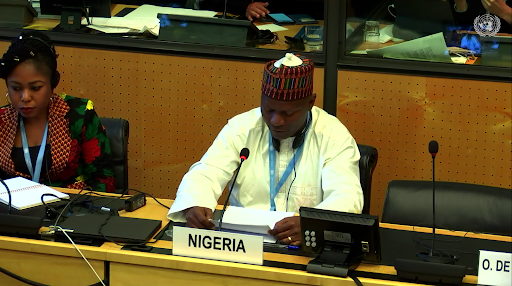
x,y
118,229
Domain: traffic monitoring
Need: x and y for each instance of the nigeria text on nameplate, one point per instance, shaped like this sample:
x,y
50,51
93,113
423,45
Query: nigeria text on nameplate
x,y
217,245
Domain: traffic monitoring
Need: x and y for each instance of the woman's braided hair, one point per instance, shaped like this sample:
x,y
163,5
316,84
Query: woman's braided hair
x,y
35,47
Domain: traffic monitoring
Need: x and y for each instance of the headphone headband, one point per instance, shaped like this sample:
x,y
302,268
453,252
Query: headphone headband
x,y
42,41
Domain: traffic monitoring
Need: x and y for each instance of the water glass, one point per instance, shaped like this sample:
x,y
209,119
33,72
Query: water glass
x,y
372,32
313,38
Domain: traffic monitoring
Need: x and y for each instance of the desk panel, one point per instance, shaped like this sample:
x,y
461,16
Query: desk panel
x,y
55,270
127,274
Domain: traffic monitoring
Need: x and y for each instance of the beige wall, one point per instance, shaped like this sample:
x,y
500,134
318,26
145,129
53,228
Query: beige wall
x,y
177,105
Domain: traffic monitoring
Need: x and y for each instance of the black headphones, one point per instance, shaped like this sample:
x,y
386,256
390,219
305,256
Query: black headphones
x,y
299,140
55,76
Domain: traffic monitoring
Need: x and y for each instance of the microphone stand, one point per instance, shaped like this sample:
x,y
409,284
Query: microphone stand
x,y
430,256
229,194
433,203
433,268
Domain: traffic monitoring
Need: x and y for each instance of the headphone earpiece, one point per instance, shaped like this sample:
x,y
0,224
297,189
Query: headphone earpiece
x,y
55,80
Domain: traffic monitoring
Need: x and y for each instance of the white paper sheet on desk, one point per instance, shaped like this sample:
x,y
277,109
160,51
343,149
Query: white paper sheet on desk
x,y
459,60
151,11
430,48
110,30
251,220
120,24
271,27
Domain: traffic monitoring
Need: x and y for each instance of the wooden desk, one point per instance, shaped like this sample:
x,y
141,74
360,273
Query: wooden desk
x,y
59,264
50,263
367,45
280,44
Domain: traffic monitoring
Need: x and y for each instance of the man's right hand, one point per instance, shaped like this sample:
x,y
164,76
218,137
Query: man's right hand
x,y
256,10
199,217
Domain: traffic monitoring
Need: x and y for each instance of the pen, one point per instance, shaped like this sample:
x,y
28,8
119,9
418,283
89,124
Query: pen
x,y
284,246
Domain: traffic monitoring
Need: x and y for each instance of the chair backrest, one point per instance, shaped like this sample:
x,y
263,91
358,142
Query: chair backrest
x,y
367,164
118,131
459,206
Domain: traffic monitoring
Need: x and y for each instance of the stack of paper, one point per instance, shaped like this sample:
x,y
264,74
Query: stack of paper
x,y
144,18
124,25
26,194
150,11
252,221
430,48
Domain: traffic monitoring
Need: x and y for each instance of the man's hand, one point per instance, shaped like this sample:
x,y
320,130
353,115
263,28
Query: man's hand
x,y
498,8
287,230
255,10
199,217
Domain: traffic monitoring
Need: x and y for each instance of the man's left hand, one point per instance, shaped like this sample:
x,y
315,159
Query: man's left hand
x,y
287,230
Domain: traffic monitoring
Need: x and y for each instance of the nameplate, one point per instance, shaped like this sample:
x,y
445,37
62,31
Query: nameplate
x,y
217,245
495,268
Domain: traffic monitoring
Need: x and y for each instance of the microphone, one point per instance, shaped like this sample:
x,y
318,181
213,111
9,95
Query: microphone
x,y
435,265
17,224
224,17
244,155
433,149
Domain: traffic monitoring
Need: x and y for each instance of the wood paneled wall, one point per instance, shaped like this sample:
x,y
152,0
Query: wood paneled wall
x,y
399,115
177,105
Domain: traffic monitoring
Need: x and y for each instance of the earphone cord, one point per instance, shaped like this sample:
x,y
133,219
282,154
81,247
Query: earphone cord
x,y
289,189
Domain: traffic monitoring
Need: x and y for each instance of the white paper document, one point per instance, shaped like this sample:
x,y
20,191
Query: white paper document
x,y
151,11
271,27
124,25
430,48
110,30
252,221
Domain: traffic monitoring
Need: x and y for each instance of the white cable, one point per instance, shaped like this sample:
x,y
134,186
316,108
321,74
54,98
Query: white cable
x,y
392,5
72,242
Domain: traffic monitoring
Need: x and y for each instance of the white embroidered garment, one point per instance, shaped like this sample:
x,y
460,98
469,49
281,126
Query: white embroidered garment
x,y
327,171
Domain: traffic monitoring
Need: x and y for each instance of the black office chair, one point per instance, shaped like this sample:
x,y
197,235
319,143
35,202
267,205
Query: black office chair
x,y
118,131
367,164
459,206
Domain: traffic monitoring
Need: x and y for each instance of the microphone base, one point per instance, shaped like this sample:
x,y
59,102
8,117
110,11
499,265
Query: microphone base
x,y
20,225
422,271
437,258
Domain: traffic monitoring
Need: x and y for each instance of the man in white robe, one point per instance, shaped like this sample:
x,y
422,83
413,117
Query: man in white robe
x,y
315,160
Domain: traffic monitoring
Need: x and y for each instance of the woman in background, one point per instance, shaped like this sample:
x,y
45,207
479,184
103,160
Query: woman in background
x,y
56,140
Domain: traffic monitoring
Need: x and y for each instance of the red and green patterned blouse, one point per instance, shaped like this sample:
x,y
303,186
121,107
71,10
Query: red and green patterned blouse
x,y
80,150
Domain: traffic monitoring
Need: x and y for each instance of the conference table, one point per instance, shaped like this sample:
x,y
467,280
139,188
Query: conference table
x,y
58,263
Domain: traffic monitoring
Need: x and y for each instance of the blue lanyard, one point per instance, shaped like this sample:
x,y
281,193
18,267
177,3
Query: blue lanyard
x,y
34,173
272,170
